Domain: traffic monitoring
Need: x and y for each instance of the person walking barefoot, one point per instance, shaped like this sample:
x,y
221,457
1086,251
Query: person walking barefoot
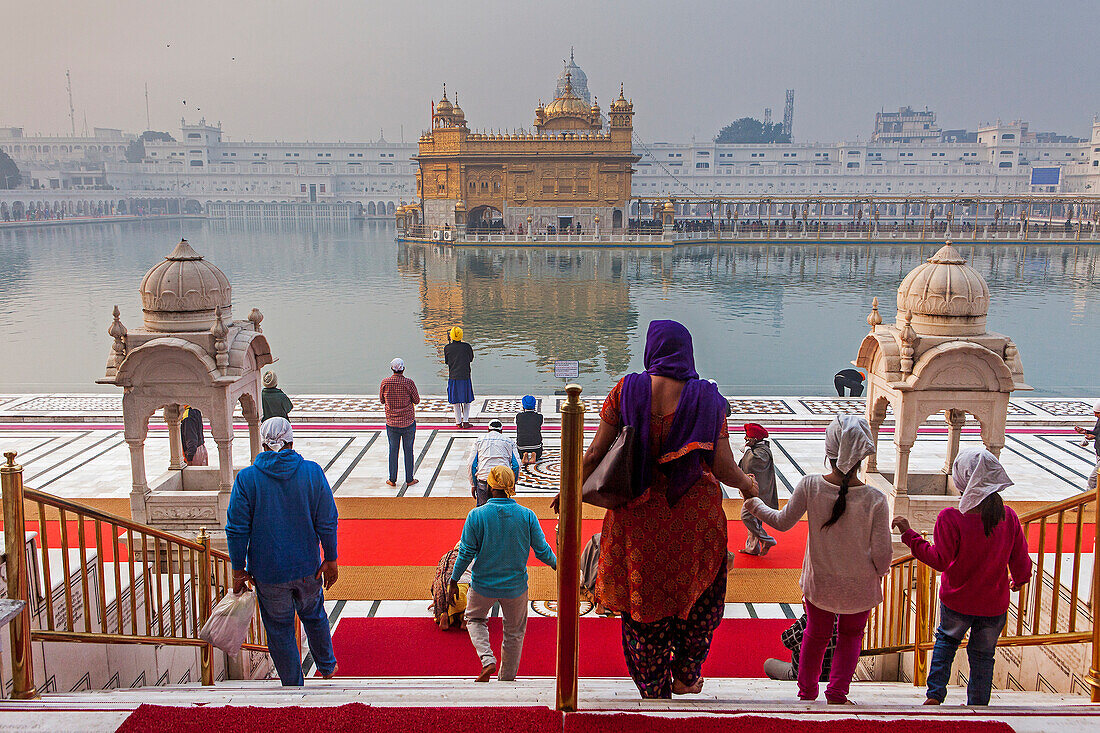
x,y
458,356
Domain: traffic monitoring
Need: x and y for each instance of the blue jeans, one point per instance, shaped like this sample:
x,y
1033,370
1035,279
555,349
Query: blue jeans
x,y
402,437
980,650
278,604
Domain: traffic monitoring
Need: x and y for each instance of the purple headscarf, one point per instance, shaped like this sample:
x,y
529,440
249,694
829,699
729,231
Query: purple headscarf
x,y
695,425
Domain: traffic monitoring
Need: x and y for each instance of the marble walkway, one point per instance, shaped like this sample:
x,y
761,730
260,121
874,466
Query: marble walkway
x,y
72,445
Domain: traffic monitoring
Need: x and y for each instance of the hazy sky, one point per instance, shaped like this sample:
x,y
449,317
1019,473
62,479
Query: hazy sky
x,y
341,70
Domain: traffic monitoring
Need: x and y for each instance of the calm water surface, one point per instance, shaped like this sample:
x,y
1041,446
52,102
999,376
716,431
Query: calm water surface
x,y
340,301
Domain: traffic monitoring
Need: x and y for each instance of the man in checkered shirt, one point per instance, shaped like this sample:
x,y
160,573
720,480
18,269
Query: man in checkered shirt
x,y
399,396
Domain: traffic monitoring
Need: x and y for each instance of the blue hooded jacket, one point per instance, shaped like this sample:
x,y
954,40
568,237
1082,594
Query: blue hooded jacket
x,y
281,508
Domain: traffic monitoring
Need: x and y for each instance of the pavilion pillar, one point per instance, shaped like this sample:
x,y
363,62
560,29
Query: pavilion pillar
x,y
175,443
956,419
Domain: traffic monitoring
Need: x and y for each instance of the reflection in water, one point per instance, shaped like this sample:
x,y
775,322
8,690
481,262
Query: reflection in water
x,y
341,301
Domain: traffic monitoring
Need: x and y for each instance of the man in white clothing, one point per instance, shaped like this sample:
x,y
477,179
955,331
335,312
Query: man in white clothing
x,y
492,449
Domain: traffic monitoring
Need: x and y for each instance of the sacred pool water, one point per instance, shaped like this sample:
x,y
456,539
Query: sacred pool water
x,y
341,300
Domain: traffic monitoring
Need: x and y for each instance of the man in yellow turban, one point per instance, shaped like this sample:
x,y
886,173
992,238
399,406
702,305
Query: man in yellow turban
x,y
458,356
497,538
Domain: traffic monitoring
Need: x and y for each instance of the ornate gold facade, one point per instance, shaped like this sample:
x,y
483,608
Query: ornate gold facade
x,y
570,171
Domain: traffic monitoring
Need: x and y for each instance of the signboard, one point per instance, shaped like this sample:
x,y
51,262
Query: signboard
x,y
1045,176
567,369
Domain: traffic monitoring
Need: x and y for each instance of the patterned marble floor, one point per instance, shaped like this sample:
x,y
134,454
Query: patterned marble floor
x,y
92,460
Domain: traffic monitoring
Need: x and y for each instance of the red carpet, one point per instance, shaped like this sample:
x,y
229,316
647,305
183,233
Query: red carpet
x,y
352,718
359,718
423,541
411,647
633,722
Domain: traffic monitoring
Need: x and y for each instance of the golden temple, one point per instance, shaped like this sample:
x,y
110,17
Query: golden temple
x,y
571,172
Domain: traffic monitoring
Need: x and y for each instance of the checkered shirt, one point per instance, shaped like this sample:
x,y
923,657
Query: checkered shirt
x,y
398,394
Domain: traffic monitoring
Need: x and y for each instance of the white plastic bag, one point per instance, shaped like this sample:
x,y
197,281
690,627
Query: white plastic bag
x,y
229,620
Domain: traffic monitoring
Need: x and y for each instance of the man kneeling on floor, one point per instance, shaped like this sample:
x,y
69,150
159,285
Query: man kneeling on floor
x,y
497,538
281,508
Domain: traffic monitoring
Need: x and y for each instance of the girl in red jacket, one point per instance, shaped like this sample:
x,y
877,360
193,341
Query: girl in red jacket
x,y
975,547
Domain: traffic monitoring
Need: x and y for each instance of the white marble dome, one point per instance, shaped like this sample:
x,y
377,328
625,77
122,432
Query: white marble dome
x,y
182,293
945,296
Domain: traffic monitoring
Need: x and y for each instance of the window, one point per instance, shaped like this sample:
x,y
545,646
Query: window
x,y
1008,136
303,188
1009,152
853,152
194,136
702,165
322,188
1005,164
853,164
196,163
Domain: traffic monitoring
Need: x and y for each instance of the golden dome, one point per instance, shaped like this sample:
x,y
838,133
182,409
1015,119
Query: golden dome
x,y
570,106
945,295
444,106
183,292
621,102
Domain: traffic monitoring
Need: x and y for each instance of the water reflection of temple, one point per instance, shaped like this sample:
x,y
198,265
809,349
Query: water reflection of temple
x,y
562,304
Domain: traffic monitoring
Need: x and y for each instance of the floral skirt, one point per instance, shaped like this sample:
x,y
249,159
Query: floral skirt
x,y
674,648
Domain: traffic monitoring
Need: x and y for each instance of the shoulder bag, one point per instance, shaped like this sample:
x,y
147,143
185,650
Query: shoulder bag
x,y
610,484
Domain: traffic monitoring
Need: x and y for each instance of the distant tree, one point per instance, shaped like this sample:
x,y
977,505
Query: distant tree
x,y
135,152
9,172
752,130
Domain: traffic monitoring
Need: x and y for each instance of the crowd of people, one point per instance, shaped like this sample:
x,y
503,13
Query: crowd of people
x,y
661,559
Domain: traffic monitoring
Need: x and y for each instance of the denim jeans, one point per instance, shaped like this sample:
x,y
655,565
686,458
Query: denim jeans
x,y
980,650
278,604
402,437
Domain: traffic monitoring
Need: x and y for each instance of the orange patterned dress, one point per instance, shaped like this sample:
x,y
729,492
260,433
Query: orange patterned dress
x,y
656,560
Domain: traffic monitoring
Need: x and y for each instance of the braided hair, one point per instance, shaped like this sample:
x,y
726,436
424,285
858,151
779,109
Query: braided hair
x,y
992,511
842,498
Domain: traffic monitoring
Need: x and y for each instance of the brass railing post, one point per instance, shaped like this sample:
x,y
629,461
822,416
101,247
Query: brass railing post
x,y
206,651
569,547
22,668
1094,671
920,638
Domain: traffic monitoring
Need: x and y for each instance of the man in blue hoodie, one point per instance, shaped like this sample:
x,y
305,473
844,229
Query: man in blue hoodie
x,y
280,510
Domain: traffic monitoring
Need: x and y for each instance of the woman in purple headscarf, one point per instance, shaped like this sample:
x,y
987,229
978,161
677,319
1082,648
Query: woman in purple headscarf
x,y
663,555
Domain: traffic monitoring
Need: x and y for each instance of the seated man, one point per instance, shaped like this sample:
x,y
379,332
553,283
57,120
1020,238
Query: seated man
x,y
777,669
492,449
850,378
529,432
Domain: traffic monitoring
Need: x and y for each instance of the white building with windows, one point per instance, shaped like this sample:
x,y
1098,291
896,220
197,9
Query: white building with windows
x,y
1005,158
205,166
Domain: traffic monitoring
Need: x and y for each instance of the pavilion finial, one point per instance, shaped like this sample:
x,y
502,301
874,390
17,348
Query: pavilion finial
x,y
874,318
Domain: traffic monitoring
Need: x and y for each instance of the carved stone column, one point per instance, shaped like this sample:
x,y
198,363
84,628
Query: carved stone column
x,y
901,474
175,444
956,419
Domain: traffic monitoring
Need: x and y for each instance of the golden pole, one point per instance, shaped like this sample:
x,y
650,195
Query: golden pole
x,y
206,653
569,547
1093,680
920,643
22,671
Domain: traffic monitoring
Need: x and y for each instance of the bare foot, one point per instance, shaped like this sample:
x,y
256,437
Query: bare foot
x,y
487,673
841,702
931,701
679,688
412,482
391,483
331,674
750,552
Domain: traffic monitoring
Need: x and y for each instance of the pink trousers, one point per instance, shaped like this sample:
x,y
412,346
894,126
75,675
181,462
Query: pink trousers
x,y
849,640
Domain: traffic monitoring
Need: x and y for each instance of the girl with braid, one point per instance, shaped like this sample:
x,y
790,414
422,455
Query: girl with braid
x,y
847,554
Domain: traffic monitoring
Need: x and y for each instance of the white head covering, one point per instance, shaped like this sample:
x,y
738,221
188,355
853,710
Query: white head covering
x,y
848,439
1096,406
398,364
977,473
275,432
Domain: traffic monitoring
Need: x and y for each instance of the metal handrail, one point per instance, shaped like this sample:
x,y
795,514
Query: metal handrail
x,y
152,561
906,619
